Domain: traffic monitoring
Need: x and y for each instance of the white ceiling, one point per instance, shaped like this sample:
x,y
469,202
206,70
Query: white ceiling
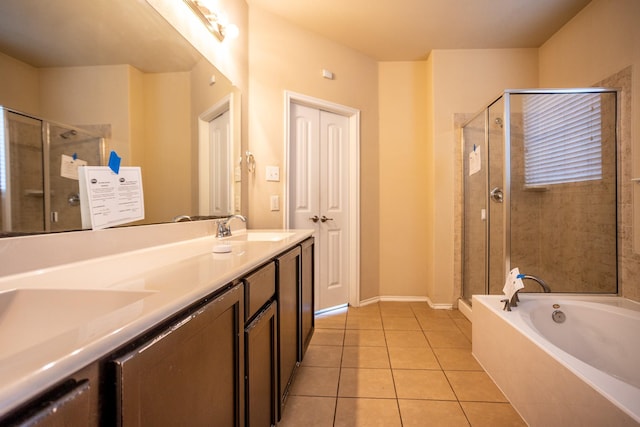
x,y
407,30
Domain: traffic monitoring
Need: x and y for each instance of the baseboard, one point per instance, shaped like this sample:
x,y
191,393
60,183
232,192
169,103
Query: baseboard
x,y
406,299
465,309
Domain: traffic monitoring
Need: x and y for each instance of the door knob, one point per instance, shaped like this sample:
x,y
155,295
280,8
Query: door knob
x,y
496,195
325,219
314,218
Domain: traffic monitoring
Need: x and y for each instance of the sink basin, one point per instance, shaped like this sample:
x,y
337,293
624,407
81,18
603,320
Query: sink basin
x,y
32,316
264,236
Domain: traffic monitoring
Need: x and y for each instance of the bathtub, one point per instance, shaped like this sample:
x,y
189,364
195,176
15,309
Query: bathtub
x,y
584,371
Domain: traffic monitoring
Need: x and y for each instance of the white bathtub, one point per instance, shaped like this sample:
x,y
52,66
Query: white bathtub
x,y
583,372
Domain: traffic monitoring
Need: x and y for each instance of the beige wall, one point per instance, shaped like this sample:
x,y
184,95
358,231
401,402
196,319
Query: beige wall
x,y
285,57
90,96
463,81
19,85
405,166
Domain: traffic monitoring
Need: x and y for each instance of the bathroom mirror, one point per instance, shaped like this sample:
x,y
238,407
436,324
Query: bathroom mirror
x,y
118,69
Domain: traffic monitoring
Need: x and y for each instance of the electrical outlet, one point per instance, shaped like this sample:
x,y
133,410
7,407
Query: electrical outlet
x,y
275,203
273,173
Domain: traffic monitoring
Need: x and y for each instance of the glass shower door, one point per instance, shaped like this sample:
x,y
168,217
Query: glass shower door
x,y
475,156
496,195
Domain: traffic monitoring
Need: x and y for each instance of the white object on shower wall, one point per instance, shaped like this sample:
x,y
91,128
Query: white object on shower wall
x,y
475,160
69,167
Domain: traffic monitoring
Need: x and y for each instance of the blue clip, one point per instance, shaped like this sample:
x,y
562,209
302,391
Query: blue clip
x,y
114,162
75,156
520,276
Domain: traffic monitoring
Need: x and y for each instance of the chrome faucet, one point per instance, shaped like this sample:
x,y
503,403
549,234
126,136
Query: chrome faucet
x,y
539,281
224,230
180,218
513,302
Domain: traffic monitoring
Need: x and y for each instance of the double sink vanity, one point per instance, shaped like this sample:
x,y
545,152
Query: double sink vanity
x,y
163,333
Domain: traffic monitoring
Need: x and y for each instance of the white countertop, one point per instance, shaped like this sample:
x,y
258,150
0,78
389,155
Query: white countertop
x,y
154,282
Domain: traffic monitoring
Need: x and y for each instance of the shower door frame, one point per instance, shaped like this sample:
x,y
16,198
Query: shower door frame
x,y
506,177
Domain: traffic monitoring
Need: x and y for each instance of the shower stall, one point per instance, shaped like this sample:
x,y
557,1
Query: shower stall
x,y
540,192
38,190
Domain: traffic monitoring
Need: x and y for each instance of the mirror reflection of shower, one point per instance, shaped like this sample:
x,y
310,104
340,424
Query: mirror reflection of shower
x,y
37,194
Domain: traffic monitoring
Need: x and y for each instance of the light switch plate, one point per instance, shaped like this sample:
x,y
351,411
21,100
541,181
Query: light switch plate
x,y
273,173
275,203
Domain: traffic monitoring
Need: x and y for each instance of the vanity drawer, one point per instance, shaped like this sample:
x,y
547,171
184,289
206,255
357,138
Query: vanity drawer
x,y
259,287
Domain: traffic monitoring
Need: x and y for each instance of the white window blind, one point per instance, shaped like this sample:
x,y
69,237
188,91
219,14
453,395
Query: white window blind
x,y
562,138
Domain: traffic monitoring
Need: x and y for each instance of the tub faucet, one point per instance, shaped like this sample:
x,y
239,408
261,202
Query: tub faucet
x,y
224,230
513,302
540,282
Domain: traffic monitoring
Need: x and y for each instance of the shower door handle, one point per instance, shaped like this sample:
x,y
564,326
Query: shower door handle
x,y
496,195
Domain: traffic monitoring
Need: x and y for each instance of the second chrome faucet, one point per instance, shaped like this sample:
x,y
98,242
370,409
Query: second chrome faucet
x,y
224,229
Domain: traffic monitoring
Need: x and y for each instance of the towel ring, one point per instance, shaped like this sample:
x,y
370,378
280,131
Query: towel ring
x,y
251,162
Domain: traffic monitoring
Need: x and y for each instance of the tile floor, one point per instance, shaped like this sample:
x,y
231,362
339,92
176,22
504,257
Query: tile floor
x,y
394,364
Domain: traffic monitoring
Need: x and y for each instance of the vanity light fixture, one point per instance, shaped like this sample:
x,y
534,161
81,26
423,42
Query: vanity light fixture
x,y
215,21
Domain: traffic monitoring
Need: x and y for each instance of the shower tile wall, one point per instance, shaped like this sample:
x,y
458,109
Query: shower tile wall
x,y
565,233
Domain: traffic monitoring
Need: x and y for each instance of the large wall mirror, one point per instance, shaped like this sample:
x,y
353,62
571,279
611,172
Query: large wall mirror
x,y
83,78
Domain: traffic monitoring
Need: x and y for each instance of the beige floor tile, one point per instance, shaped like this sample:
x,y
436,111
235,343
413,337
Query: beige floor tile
x,y
457,359
413,358
482,414
431,313
367,413
422,384
393,323
324,356
457,314
365,357
432,413
364,322
465,327
447,339
310,411
365,337
396,310
314,381
365,310
331,321
437,324
327,337
406,339
372,383
472,386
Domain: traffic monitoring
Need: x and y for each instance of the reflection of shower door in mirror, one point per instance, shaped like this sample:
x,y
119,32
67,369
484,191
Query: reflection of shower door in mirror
x,y
36,196
21,175
64,200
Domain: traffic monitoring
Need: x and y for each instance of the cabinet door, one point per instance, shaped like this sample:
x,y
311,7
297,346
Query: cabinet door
x,y
261,369
190,374
307,322
66,405
288,327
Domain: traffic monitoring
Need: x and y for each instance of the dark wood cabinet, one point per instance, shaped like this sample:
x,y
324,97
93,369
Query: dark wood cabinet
x,y
307,323
191,373
288,296
261,368
73,402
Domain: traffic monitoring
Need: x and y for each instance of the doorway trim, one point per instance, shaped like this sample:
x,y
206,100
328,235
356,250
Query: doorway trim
x,y
354,177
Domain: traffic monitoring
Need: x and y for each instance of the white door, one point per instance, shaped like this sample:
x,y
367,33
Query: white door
x,y
319,196
215,174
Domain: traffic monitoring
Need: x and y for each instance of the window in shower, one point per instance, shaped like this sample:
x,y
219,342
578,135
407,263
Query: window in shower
x,y
562,138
